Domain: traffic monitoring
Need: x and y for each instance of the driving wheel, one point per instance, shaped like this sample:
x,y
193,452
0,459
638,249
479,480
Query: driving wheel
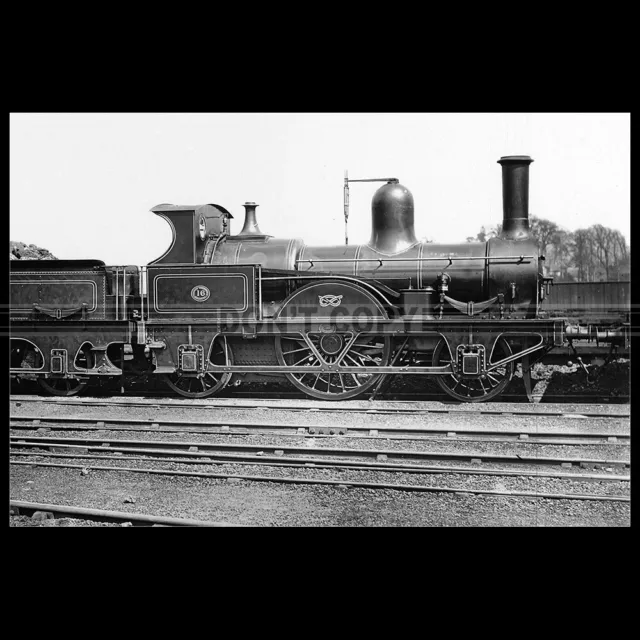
x,y
364,351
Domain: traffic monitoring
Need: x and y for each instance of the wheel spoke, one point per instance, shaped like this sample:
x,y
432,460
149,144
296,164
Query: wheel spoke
x,y
492,377
306,357
364,356
288,353
371,347
358,364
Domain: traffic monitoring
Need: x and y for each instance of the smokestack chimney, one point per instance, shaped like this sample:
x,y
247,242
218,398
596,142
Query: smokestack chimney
x,y
515,197
251,227
392,228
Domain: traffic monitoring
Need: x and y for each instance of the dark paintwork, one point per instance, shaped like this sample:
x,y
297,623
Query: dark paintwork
x,y
210,284
187,245
333,302
232,292
589,300
392,225
59,290
250,227
515,196
43,265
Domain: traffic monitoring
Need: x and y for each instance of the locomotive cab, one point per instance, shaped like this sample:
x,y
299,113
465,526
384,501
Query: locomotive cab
x,y
194,228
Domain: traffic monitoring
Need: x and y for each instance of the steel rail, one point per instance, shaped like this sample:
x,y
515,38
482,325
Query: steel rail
x,y
318,463
344,483
84,423
153,403
200,449
21,507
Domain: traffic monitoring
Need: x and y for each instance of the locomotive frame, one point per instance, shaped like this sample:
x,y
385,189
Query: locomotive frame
x,y
472,340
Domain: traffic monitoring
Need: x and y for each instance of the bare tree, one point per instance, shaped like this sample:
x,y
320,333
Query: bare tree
x,y
601,240
560,253
543,230
585,257
597,252
481,236
619,252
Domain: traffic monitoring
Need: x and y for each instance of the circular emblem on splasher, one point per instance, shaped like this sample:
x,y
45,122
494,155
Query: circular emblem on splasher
x,y
200,293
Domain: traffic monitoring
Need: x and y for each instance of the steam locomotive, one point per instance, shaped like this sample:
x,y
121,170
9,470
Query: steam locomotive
x,y
337,321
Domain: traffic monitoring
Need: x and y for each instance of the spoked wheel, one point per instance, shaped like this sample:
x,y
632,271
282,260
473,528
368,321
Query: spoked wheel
x,y
207,383
366,351
69,386
475,389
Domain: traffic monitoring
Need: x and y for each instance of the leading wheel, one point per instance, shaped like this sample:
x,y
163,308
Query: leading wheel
x,y
69,386
207,383
475,389
366,351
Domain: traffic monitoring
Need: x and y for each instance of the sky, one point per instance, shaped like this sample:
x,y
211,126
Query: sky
x,y
82,184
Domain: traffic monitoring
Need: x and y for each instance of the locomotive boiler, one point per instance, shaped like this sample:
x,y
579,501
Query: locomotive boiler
x,y
218,309
469,272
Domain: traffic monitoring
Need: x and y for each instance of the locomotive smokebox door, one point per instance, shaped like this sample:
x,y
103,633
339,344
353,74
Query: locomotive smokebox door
x,y
471,359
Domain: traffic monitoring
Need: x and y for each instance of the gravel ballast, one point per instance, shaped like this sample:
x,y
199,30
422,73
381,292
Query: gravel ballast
x,y
272,504
266,504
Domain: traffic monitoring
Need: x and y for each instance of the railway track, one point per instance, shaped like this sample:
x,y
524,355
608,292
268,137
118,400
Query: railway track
x,y
56,511
417,471
244,452
275,461
396,432
346,483
344,407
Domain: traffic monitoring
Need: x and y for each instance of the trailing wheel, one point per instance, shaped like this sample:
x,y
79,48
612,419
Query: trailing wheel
x,y
475,389
364,351
203,385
